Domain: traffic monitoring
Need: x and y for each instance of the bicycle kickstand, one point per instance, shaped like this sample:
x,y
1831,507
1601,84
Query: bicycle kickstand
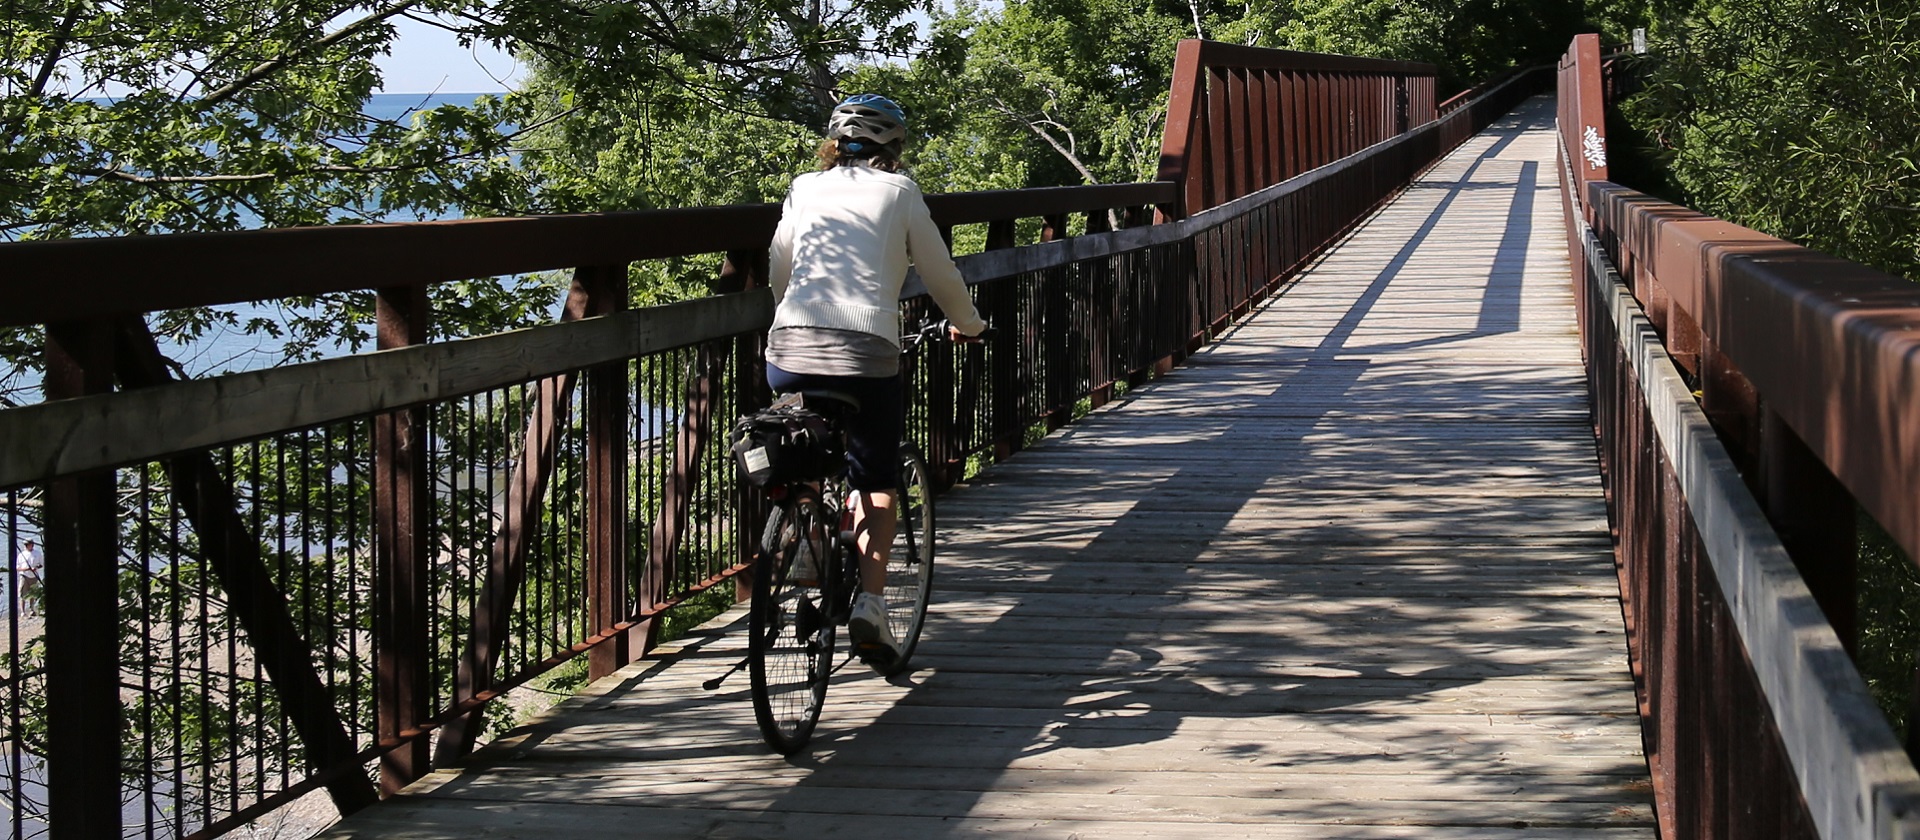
x,y
714,684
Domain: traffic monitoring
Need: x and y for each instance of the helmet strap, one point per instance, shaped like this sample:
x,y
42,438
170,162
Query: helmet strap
x,y
859,148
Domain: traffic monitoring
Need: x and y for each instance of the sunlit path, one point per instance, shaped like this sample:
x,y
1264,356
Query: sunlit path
x,y
1345,574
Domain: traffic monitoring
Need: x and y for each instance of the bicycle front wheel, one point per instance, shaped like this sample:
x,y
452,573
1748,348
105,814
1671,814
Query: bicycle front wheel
x,y
790,636
910,565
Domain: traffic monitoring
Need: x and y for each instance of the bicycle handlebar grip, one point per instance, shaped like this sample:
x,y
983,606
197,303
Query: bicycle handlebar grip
x,y
943,328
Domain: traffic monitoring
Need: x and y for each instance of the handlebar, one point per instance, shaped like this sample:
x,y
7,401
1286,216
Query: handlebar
x,y
935,329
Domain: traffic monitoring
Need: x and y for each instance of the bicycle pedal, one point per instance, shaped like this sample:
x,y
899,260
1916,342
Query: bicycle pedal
x,y
877,656
806,619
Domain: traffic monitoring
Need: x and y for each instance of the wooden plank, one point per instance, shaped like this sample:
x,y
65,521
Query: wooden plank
x,y
1175,806
417,819
669,778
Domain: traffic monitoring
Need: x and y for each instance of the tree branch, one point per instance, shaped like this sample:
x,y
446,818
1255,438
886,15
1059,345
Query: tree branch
x,y
56,50
273,65
1034,126
1067,151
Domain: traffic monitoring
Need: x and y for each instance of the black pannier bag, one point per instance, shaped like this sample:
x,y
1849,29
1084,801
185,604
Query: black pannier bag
x,y
786,444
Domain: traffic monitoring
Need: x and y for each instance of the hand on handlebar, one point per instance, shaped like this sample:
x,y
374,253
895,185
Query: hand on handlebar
x,y
930,330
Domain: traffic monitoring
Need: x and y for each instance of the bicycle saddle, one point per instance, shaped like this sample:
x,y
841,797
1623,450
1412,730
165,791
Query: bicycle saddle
x,y
830,402
827,403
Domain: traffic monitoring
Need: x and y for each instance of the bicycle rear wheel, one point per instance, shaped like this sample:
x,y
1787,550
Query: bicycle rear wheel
x,y
790,637
910,566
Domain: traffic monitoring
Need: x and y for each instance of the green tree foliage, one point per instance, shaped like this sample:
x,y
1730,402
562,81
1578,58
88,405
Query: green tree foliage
x,y
685,143
1055,92
134,118
686,140
1470,40
1039,93
1798,118
256,109
1615,20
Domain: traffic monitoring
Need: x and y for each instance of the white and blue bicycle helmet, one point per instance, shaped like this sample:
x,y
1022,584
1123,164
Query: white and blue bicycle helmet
x,y
866,122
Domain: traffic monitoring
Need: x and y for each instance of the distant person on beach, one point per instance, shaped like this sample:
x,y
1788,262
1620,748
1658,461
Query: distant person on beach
x,y
28,568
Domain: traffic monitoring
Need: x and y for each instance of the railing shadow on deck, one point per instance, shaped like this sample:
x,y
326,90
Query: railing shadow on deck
x,y
1106,695
1087,706
351,559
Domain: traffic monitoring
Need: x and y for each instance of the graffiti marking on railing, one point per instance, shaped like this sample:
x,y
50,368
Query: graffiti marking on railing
x,y
1593,147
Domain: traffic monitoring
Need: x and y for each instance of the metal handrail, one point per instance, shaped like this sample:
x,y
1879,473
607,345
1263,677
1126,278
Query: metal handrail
x,y
81,279
1748,393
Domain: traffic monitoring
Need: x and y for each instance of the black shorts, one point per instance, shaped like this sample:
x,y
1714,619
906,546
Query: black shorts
x,y
873,433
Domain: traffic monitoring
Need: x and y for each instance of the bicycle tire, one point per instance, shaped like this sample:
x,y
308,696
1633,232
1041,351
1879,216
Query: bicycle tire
x,y
910,565
790,636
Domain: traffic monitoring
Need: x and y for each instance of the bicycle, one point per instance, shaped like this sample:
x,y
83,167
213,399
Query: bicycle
x,y
807,572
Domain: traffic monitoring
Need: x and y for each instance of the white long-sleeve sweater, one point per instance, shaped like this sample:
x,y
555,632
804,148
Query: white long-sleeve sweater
x,y
841,252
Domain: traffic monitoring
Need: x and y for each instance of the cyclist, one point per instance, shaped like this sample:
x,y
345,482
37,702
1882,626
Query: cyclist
x,y
840,254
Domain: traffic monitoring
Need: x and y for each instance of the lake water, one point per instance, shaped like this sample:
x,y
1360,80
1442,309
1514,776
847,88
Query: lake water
x,y
225,349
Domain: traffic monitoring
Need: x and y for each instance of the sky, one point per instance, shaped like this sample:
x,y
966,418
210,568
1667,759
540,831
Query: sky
x,y
426,59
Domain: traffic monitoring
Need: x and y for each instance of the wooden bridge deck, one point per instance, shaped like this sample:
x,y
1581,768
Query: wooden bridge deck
x,y
1345,574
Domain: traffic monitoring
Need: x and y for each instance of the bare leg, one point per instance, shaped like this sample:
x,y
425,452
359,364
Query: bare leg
x,y
874,523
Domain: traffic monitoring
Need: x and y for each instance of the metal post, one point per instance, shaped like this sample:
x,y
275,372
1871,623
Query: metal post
x,y
1814,515
1182,149
1589,115
750,393
82,611
401,510
1004,366
606,485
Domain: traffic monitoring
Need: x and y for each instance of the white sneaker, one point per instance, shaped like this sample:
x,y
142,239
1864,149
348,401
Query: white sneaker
x,y
872,638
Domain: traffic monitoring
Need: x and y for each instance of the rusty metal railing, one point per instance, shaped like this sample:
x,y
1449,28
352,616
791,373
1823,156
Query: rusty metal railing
x,y
320,577
1241,119
1748,392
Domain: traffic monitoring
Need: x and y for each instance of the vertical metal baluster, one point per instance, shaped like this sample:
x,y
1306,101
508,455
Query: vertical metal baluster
x,y
433,522
177,616
205,679
143,541
257,503
284,751
362,719
330,577
16,755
